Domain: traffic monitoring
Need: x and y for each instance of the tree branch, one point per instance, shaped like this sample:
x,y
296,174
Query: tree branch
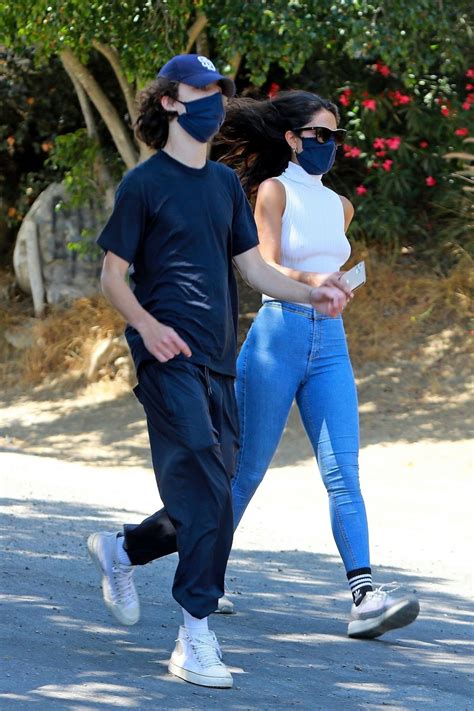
x,y
113,57
102,173
84,103
235,64
195,30
103,105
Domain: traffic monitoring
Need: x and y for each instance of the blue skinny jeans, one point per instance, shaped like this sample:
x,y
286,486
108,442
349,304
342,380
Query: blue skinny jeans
x,y
292,352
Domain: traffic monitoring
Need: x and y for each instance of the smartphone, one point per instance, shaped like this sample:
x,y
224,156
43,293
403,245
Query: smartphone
x,y
355,277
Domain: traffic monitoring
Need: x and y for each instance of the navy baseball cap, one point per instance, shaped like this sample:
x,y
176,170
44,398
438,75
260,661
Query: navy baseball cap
x,y
197,71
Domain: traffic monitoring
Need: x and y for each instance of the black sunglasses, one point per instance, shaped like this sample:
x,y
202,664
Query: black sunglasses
x,y
323,134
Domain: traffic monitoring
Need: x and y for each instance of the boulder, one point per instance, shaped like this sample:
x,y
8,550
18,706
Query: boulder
x,y
45,266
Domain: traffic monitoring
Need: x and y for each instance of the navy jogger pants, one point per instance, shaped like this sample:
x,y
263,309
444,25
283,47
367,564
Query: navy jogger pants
x,y
193,429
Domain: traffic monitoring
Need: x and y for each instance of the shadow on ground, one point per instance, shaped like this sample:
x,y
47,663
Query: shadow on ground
x,y
113,432
286,646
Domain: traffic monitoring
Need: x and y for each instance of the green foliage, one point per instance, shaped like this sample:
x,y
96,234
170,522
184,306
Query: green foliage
x,y
75,155
396,69
145,33
35,107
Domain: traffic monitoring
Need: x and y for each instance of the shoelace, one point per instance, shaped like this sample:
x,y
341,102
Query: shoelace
x,y
123,589
383,590
206,651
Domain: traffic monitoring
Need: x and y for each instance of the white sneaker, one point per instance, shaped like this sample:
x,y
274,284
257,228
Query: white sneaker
x,y
381,611
225,606
120,596
197,658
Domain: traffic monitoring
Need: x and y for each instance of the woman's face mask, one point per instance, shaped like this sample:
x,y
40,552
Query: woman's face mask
x,y
203,117
317,158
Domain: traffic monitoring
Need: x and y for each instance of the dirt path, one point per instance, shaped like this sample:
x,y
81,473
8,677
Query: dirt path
x,y
73,463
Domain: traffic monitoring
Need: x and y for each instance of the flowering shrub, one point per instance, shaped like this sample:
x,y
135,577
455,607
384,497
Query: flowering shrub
x,y
392,165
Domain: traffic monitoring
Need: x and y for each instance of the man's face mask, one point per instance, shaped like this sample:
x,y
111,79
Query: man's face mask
x,y
317,158
203,117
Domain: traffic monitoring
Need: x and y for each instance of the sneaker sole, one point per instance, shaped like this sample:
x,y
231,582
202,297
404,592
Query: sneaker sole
x,y
225,609
109,605
404,614
199,679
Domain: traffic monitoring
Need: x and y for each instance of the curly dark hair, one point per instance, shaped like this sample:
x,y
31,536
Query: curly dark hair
x,y
152,124
253,133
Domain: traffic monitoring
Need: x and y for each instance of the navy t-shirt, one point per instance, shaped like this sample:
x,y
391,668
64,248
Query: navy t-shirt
x,y
179,228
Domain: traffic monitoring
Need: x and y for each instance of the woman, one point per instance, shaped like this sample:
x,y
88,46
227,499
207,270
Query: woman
x,y
281,148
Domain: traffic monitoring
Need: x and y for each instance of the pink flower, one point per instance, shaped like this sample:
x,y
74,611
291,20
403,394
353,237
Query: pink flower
x,y
444,111
469,87
375,165
387,165
345,98
370,104
393,143
470,98
466,106
351,151
399,99
430,181
354,153
361,190
470,73
380,154
424,144
273,90
462,132
379,144
382,69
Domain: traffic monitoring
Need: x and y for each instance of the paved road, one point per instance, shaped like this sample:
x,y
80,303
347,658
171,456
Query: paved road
x,y
287,645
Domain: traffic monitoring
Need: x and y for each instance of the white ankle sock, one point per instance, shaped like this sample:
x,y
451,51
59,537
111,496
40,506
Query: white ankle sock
x,y
193,624
122,554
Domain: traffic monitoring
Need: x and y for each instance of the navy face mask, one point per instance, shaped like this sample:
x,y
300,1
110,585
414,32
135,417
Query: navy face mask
x,y
317,158
203,117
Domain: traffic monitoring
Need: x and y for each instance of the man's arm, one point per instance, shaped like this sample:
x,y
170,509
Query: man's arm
x,y
262,277
161,341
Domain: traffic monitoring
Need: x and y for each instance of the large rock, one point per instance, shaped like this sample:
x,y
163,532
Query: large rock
x,y
44,265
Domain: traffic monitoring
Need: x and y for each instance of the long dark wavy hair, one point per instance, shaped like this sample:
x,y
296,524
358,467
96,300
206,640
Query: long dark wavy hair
x,y
152,124
252,138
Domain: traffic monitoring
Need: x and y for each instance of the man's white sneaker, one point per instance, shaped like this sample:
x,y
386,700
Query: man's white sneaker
x,y
118,589
381,611
197,658
225,606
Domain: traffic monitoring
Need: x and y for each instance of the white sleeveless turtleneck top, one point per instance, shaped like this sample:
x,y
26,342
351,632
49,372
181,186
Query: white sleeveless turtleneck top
x,y
312,231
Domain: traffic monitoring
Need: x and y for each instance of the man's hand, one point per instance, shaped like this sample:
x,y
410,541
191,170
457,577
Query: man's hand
x,y
330,300
162,341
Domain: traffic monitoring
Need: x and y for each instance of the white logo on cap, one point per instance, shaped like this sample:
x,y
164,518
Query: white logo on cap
x,y
207,63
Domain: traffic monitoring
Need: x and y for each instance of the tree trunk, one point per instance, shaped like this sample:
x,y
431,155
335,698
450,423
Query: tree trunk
x,y
104,107
195,30
102,173
235,64
128,90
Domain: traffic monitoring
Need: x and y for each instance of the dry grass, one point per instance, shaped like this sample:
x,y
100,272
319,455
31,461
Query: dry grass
x,y
400,307
395,314
62,342
65,339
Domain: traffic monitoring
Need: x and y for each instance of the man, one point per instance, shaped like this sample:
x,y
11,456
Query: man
x,y
181,221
